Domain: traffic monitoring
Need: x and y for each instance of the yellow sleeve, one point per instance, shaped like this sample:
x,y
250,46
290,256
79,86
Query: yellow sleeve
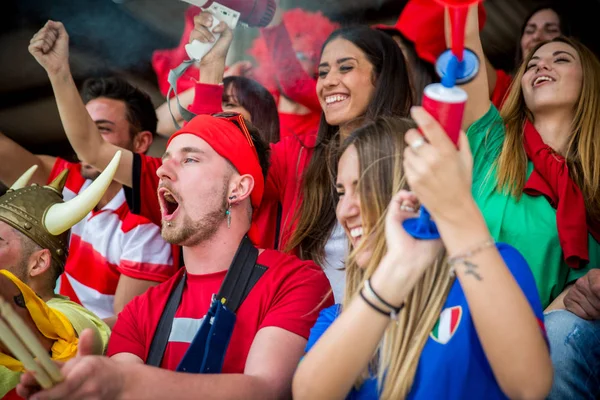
x,y
82,318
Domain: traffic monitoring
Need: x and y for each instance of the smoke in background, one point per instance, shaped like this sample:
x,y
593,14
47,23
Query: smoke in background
x,y
102,26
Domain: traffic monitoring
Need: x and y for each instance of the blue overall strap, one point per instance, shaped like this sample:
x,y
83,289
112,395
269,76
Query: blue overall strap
x,y
206,352
175,74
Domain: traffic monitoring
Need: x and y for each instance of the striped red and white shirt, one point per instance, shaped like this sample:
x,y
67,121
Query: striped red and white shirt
x,y
107,243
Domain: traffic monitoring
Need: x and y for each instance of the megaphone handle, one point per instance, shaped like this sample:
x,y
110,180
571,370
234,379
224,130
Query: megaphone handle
x,y
458,17
197,50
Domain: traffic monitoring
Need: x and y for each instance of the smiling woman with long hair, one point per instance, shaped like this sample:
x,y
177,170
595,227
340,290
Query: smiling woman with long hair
x,y
536,178
457,301
536,174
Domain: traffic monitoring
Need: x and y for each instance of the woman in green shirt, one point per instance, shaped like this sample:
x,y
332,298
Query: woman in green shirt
x,y
550,118
536,178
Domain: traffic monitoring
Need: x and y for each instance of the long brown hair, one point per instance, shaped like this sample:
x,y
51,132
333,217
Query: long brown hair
x,y
583,151
392,97
380,147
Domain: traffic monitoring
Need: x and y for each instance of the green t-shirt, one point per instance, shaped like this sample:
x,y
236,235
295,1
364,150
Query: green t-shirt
x,y
528,224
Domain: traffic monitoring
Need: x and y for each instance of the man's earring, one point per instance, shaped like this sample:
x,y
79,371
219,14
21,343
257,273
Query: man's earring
x,y
228,212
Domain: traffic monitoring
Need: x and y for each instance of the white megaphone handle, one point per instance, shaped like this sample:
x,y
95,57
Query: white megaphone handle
x,y
197,50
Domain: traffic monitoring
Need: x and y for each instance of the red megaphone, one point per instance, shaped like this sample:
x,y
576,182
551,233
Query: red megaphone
x,y
252,12
458,15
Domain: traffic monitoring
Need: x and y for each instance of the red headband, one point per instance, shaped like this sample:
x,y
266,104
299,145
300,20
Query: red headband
x,y
234,145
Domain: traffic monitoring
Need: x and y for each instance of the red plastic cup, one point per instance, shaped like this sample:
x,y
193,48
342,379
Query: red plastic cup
x,y
447,106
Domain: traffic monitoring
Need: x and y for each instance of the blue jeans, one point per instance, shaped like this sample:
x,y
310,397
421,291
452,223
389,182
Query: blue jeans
x,y
575,352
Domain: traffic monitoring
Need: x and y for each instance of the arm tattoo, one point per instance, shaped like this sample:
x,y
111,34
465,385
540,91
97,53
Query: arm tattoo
x,y
471,269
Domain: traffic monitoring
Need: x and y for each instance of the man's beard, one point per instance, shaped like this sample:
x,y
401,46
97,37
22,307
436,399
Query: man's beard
x,y
191,233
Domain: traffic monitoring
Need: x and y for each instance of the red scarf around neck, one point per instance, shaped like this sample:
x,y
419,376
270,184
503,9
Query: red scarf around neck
x,y
551,179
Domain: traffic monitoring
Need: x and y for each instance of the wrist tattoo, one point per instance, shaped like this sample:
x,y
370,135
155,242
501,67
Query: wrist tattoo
x,y
471,269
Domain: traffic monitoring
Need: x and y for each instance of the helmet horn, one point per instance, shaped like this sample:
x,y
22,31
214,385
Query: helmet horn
x,y
61,217
24,179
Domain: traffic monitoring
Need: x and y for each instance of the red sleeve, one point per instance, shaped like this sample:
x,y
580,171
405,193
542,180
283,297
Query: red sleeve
x,y
142,198
126,335
207,99
295,83
59,165
503,81
299,299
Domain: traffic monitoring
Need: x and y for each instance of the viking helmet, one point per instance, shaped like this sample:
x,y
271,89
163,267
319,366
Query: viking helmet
x,y
40,213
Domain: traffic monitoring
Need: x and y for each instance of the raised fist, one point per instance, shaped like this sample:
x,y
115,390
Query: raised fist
x,y
50,47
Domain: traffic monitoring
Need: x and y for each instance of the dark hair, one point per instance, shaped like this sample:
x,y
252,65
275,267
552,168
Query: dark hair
x,y
258,101
392,97
421,72
262,147
565,28
140,110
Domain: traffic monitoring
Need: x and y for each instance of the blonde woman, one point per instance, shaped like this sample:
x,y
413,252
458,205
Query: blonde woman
x,y
457,318
536,179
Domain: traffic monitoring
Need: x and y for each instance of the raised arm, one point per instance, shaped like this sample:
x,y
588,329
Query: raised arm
x,y
478,89
295,83
16,160
498,299
50,47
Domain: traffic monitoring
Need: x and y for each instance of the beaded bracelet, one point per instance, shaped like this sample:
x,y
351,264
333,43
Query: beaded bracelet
x,y
461,258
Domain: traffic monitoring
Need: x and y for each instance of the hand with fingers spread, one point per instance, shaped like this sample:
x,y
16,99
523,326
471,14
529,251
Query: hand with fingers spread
x,y
86,377
202,32
50,47
439,175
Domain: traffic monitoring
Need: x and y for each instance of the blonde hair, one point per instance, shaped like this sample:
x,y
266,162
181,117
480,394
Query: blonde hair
x,y
380,146
583,149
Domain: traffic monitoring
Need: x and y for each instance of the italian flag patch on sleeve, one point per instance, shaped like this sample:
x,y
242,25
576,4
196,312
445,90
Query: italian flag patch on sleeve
x,y
447,324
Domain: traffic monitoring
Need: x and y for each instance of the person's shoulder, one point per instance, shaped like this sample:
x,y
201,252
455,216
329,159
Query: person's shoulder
x,y
149,161
155,297
491,120
276,259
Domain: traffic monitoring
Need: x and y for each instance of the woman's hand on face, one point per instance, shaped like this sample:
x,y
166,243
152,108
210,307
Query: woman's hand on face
x,y
439,175
202,32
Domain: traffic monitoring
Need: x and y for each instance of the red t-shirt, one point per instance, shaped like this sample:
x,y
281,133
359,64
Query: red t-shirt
x,y
289,295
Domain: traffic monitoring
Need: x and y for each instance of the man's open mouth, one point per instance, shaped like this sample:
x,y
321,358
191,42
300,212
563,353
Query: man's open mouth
x,y
168,203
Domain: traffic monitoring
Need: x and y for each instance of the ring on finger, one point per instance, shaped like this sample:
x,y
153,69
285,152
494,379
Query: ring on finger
x,y
417,144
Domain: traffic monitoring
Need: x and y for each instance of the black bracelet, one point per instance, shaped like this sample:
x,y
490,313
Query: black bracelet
x,y
394,309
373,306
